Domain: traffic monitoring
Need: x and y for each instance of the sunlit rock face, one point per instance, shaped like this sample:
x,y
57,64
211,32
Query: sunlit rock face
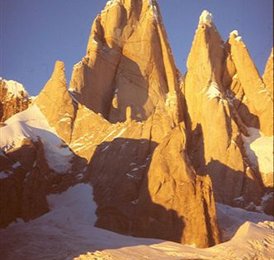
x,y
13,98
128,44
146,90
142,188
213,133
225,98
256,95
56,103
157,150
165,208
268,73
252,97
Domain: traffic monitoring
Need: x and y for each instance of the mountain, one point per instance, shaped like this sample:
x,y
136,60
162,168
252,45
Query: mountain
x,y
157,148
215,119
128,42
256,96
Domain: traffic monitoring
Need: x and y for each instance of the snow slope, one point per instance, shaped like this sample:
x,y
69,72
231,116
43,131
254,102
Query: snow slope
x,y
67,232
259,149
32,124
230,219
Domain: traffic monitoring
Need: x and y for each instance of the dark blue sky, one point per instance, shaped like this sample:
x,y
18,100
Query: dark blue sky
x,y
35,33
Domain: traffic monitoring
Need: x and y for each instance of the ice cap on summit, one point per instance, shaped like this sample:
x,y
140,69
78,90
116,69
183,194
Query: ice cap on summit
x,y
206,18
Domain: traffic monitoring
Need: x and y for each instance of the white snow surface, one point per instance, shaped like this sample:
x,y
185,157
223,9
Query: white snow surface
x,y
259,149
154,10
3,175
232,218
234,33
16,165
213,91
206,18
67,232
75,204
110,4
15,89
171,99
32,124
238,38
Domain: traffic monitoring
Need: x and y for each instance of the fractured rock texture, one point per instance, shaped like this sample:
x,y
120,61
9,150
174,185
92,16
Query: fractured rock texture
x,y
13,99
157,150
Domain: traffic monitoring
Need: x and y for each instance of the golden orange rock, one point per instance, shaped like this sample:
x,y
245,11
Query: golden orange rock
x,y
128,44
257,97
214,145
167,210
268,74
56,103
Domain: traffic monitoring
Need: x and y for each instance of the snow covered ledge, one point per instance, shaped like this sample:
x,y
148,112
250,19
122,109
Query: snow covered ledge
x,y
32,124
236,35
14,89
259,149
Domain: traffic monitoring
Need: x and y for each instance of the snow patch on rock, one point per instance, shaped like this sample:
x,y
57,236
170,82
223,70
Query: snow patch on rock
x,y
213,91
230,219
171,99
238,38
15,89
206,18
3,175
32,124
259,149
153,8
234,33
110,4
76,205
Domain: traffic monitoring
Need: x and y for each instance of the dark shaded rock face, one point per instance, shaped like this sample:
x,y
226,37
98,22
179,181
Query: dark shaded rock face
x,y
26,180
117,175
268,203
23,187
165,209
142,191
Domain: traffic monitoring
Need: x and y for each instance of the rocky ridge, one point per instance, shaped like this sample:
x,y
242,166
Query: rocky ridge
x,y
13,98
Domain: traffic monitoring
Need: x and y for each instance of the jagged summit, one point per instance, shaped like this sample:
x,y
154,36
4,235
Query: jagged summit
x,y
236,35
133,51
57,84
157,154
206,18
59,72
258,101
56,102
